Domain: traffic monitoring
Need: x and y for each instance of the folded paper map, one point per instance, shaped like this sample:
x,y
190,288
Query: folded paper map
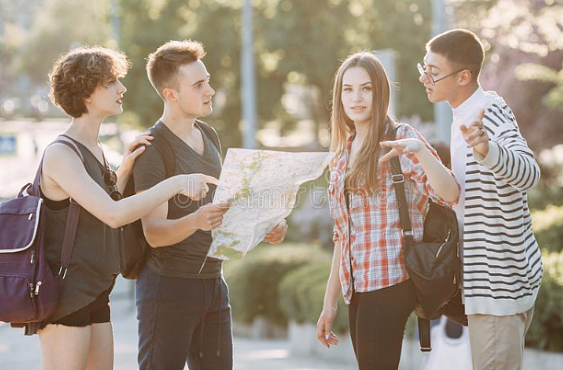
x,y
262,188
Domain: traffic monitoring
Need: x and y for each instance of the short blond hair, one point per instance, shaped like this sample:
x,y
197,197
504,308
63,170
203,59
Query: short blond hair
x,y
163,65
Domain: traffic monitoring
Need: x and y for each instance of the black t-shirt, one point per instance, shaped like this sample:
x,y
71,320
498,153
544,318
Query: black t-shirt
x,y
185,259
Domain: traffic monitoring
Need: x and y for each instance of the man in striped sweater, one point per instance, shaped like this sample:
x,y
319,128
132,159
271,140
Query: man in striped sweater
x,y
502,267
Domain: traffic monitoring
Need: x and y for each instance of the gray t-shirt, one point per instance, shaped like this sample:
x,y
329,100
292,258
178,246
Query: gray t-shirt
x,y
186,258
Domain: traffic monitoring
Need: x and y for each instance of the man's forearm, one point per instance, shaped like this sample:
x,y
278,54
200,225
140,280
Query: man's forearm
x,y
516,167
164,232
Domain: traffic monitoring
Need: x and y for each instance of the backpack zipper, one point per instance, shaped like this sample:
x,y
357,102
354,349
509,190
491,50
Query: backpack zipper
x,y
439,250
444,243
31,290
37,287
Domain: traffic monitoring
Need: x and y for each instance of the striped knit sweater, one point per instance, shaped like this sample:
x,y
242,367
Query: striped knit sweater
x,y
502,267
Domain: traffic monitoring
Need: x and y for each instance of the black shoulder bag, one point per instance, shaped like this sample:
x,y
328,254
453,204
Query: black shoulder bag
x,y
434,265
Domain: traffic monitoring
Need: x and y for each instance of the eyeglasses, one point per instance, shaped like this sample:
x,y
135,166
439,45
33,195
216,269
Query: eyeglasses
x,y
110,179
433,81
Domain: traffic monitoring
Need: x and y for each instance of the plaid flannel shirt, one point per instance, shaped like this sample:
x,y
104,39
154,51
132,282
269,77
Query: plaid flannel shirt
x,y
369,230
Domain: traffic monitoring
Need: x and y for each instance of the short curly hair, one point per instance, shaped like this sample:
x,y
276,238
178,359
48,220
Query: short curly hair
x,y
77,74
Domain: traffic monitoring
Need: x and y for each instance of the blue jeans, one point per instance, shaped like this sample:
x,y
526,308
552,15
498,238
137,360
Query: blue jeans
x,y
183,320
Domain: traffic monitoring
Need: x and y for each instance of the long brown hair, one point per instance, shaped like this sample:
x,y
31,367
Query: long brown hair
x,y
364,172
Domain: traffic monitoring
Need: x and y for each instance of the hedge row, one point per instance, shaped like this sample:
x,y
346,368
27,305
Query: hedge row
x,y
546,331
548,228
254,280
302,294
283,283
543,196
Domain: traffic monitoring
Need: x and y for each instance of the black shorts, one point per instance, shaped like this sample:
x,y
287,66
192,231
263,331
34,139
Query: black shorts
x,y
96,312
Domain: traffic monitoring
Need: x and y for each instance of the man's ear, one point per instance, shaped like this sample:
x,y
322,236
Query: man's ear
x,y
464,77
169,94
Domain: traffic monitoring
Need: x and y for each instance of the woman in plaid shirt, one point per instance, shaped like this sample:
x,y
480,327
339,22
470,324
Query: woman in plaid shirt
x,y
368,262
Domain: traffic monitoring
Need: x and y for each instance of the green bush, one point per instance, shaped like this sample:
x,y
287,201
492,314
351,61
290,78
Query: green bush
x,y
548,228
302,292
546,331
254,280
543,196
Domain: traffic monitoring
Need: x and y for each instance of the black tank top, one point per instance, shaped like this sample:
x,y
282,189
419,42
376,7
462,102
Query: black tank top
x,y
55,205
95,258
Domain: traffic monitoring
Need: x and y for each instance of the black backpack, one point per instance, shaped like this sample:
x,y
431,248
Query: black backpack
x,y
134,246
434,265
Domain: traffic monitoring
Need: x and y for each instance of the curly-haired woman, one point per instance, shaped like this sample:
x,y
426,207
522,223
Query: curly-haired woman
x,y
85,84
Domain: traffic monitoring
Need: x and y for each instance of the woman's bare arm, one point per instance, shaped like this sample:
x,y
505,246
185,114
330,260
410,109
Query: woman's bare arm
x,y
64,175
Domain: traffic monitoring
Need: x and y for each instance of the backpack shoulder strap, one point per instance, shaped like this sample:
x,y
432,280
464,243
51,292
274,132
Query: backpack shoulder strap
x,y
71,144
424,334
399,184
33,188
211,133
69,237
165,150
72,218
73,211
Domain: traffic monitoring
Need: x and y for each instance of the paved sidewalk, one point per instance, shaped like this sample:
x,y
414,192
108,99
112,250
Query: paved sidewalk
x,y
18,352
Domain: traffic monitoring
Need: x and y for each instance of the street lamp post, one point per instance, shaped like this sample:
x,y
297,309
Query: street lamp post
x,y
114,21
442,110
248,78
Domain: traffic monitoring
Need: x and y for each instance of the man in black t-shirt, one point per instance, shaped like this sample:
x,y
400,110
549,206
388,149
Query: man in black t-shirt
x,y
182,299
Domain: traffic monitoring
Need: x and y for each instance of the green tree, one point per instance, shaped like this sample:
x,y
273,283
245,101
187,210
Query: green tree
x,y
299,42
304,41
547,38
59,26
146,24
538,72
12,38
524,43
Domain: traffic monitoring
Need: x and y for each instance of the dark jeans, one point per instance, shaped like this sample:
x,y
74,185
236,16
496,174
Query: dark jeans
x,y
377,324
183,320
